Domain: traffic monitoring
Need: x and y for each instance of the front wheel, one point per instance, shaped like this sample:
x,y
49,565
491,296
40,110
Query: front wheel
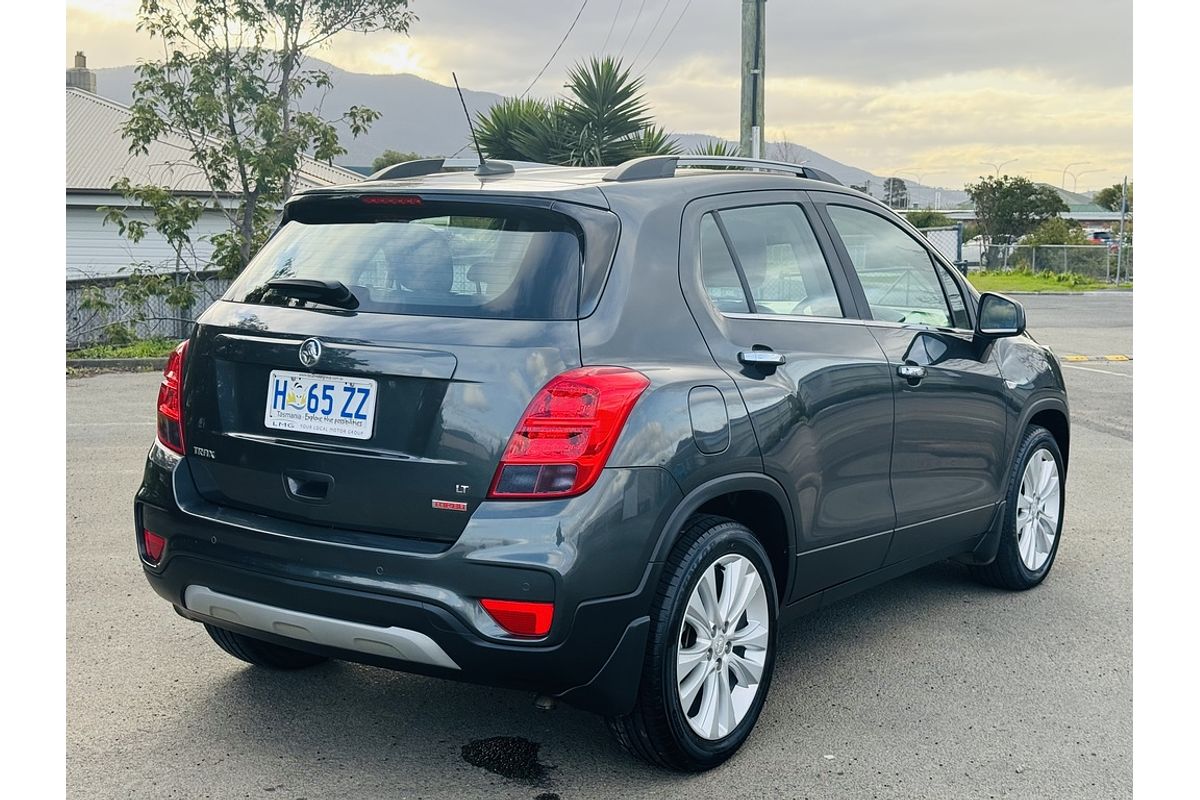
x,y
711,650
1033,515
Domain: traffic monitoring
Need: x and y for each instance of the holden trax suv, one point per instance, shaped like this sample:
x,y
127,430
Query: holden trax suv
x,y
596,433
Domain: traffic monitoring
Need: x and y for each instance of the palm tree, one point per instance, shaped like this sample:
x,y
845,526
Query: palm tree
x,y
603,120
718,147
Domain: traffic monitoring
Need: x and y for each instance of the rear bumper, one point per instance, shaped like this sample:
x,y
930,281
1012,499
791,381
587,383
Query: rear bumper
x,y
413,606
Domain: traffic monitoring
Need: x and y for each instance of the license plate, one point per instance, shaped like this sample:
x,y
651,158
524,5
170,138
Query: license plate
x,y
325,404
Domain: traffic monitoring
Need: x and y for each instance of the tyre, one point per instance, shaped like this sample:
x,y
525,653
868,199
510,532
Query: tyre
x,y
1033,515
260,653
711,650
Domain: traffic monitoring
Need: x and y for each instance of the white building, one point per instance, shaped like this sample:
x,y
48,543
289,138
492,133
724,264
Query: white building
x,y
97,157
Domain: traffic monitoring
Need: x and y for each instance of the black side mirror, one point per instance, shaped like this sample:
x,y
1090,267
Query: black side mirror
x,y
999,316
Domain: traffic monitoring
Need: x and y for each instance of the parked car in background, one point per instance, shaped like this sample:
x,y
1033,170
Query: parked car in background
x,y
593,433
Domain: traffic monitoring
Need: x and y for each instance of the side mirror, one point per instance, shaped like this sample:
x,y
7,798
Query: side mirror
x,y
999,316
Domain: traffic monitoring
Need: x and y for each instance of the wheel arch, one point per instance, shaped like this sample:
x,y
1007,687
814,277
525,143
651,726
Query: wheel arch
x,y
1050,413
755,500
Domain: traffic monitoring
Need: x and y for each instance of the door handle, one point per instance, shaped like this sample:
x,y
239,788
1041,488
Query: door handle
x,y
761,358
913,373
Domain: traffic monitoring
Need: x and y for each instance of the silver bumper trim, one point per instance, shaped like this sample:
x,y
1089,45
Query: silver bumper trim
x,y
398,643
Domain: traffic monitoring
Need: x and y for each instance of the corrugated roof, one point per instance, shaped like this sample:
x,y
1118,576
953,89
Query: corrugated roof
x,y
97,155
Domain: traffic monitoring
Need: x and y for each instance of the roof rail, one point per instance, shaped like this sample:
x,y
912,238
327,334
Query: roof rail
x,y
409,169
649,167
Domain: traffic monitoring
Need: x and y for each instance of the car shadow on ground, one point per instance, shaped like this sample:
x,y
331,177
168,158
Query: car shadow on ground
x,y
383,726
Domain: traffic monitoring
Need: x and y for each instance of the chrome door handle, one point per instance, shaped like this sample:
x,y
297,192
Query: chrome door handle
x,y
761,358
911,372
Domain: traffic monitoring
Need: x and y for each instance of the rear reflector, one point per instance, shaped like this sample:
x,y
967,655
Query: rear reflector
x,y
170,400
521,618
152,546
392,200
565,436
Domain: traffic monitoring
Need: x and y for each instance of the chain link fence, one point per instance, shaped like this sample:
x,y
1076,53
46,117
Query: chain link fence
x,y
947,240
1098,262
93,304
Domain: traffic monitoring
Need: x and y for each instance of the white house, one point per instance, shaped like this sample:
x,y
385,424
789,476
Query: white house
x,y
97,156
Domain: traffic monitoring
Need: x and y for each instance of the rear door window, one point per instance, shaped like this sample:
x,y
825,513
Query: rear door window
x,y
777,258
439,259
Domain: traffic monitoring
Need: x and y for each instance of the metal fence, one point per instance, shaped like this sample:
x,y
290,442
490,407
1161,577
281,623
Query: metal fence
x,y
1098,262
153,318
947,240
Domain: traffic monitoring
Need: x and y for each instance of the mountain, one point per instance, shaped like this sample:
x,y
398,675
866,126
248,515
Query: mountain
x,y
425,117
418,115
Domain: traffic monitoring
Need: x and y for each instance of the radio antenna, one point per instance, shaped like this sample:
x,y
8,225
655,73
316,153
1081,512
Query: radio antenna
x,y
484,168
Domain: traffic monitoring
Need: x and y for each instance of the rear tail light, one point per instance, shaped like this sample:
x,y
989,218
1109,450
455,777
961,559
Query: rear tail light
x,y
519,617
170,400
152,546
392,200
566,434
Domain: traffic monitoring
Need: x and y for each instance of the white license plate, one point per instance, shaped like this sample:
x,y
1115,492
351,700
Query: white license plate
x,y
325,404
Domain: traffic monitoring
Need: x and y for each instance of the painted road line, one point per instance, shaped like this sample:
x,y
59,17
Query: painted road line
x,y
1101,371
1117,357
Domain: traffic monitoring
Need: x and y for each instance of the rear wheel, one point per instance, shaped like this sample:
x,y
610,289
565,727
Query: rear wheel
x,y
711,650
260,653
1033,515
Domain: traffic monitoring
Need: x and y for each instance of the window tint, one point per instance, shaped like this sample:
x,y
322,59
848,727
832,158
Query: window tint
x,y
781,260
717,271
896,272
512,263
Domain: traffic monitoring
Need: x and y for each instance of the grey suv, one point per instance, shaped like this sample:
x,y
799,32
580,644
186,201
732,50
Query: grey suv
x,y
594,433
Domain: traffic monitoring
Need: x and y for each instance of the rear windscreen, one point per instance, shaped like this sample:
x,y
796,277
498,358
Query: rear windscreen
x,y
443,259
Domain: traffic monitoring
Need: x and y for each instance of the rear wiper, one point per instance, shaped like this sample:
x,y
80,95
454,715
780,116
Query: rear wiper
x,y
331,293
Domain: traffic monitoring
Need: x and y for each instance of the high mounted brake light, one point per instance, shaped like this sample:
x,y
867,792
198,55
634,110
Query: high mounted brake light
x,y
392,200
565,436
170,400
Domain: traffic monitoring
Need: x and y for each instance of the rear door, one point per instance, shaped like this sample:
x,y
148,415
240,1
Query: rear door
x,y
391,416
777,314
948,459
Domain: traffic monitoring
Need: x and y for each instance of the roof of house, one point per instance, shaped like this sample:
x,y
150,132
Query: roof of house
x,y
98,156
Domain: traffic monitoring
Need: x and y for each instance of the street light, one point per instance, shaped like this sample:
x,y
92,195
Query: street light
x,y
1063,185
1075,177
1000,166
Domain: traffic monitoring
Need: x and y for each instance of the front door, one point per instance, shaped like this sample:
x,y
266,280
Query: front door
x,y
782,322
948,458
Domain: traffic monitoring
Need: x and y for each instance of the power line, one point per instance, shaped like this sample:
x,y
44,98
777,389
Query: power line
x,y
650,35
667,38
552,55
631,27
604,47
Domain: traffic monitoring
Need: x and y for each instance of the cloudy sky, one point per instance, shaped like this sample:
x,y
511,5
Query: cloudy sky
x,y
928,89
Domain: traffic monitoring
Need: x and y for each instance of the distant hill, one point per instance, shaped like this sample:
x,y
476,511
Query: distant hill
x,y
425,117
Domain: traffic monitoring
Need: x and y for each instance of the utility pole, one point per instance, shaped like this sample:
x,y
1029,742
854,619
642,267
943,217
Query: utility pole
x,y
754,60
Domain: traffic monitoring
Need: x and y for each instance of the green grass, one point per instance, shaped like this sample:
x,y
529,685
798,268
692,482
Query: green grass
x,y
146,348
1026,281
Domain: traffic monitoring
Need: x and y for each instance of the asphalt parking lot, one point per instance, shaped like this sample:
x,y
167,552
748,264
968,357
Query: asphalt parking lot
x,y
930,686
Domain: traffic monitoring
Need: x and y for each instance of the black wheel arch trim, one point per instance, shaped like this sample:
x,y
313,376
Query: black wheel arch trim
x,y
712,489
1040,403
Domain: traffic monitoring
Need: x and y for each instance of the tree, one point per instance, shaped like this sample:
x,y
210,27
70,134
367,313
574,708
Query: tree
x,y
1056,231
1010,207
231,84
604,119
928,219
1110,198
717,147
389,157
895,193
